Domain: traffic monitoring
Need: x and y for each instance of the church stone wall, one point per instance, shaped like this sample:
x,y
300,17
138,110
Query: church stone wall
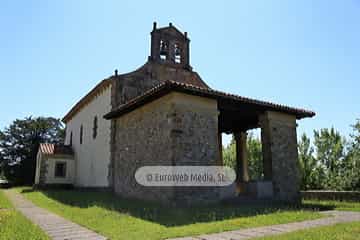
x,y
142,139
131,85
195,139
176,129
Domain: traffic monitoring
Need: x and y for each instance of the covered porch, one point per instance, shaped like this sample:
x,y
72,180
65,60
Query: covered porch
x,y
198,117
280,174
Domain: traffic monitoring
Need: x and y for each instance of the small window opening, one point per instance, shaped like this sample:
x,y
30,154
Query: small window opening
x,y
177,53
95,127
81,134
60,169
164,47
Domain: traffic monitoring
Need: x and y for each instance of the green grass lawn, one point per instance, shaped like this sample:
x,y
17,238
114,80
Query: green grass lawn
x,y
343,231
14,226
117,218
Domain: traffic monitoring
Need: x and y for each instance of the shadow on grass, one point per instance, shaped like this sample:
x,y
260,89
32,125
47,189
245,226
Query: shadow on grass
x,y
28,190
171,216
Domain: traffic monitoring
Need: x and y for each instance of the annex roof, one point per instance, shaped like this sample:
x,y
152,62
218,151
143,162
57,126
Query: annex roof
x,y
51,149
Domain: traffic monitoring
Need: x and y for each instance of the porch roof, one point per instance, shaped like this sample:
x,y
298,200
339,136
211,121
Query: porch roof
x,y
233,108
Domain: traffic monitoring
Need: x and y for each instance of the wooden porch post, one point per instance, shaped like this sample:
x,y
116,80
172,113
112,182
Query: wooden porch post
x,y
221,161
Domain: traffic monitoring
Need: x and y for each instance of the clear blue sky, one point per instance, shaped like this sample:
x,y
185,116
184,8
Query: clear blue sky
x,y
299,53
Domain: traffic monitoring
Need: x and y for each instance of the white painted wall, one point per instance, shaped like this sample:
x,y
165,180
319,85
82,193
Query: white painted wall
x,y
70,171
92,157
50,175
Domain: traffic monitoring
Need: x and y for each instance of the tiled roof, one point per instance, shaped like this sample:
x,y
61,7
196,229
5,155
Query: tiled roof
x,y
169,86
49,149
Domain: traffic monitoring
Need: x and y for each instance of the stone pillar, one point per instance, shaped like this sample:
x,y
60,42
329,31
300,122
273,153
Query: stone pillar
x,y
279,144
241,157
221,161
171,53
266,148
155,46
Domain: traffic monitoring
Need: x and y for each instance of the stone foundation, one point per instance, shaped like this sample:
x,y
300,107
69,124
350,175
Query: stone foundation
x,y
260,189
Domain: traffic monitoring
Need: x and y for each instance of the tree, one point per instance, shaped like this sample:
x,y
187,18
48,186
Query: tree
x,y
255,157
19,144
229,154
352,160
255,162
329,148
355,143
330,152
310,170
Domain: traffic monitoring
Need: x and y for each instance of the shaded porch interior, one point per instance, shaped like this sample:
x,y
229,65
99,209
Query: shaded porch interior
x,y
238,119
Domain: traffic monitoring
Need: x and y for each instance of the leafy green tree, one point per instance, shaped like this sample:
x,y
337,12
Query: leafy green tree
x,y
255,162
308,165
356,134
229,154
329,148
351,171
355,143
255,157
19,144
330,152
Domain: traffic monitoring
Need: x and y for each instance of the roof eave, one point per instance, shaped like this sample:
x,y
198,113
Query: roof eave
x,y
169,86
86,99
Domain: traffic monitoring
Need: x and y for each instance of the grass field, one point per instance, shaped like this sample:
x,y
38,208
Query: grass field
x,y
346,231
14,226
123,219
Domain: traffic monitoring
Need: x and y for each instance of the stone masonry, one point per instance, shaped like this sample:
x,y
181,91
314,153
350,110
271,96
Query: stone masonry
x,y
279,142
166,132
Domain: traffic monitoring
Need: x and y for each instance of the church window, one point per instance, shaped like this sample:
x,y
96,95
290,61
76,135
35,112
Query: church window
x,y
60,169
81,134
95,127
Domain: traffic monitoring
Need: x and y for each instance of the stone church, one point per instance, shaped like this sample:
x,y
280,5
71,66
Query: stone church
x,y
164,114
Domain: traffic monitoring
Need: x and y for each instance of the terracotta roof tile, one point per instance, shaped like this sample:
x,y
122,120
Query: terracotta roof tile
x,y
169,86
49,149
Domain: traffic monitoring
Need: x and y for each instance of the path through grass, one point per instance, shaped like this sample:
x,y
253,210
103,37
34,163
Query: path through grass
x,y
117,218
14,226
